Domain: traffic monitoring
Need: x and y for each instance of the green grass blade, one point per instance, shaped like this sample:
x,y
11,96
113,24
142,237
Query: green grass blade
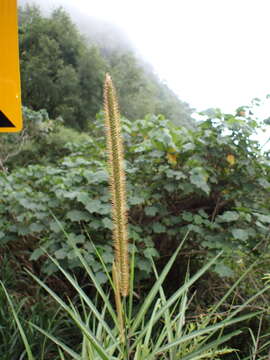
x,y
177,322
228,293
22,333
63,346
167,316
198,354
97,285
103,266
153,292
61,354
150,324
175,296
86,299
180,319
242,307
89,271
84,329
210,329
131,283
186,286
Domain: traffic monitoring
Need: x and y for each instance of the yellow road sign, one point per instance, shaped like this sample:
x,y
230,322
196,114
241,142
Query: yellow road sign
x,y
10,88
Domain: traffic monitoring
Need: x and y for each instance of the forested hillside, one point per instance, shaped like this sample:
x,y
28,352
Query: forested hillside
x,y
207,182
63,73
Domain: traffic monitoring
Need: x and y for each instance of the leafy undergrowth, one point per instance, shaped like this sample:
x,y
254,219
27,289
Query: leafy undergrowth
x,y
213,181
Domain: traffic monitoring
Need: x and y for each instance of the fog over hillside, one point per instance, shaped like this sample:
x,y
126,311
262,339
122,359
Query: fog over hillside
x,y
126,63
94,29
93,46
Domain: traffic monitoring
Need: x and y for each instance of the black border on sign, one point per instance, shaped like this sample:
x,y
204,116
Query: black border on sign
x,y
5,122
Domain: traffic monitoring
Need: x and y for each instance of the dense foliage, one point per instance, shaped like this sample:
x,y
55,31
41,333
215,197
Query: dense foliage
x,y
213,181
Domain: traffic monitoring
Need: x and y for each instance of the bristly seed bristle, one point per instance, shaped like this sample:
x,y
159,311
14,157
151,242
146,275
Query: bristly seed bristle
x,y
117,183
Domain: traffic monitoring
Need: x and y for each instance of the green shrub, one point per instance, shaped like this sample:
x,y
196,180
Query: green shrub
x,y
213,181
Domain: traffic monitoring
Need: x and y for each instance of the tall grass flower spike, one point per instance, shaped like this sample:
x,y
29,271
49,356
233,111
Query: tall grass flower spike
x,y
117,183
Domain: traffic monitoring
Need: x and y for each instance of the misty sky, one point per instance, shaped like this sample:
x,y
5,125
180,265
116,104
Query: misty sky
x,y
212,53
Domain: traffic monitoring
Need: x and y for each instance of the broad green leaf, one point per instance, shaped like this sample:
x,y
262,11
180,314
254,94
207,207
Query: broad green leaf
x,y
240,234
76,215
23,229
223,270
107,257
96,177
150,253
107,222
104,209
187,216
77,239
60,254
198,219
158,228
84,198
54,226
36,254
95,224
264,183
144,265
200,181
135,200
93,206
101,277
263,218
26,203
150,210
35,227
228,216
